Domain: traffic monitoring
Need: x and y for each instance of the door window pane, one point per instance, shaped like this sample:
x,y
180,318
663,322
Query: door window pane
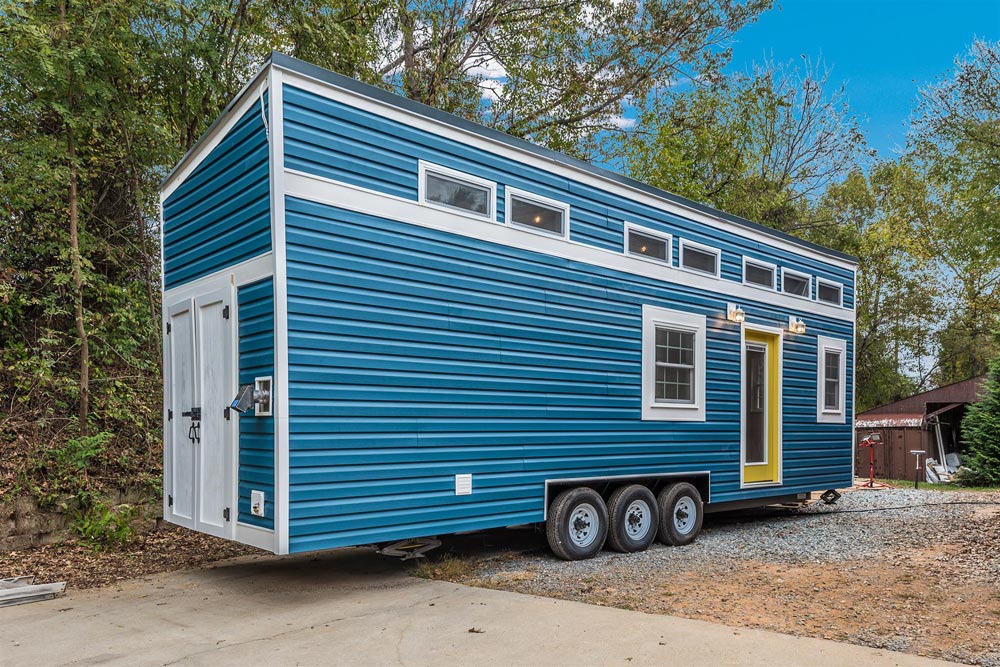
x,y
755,405
456,193
647,246
535,215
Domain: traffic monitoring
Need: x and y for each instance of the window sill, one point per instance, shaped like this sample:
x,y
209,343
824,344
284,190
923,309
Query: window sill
x,y
678,413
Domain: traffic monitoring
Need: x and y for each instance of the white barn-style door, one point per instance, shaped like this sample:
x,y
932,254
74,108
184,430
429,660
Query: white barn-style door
x,y
200,442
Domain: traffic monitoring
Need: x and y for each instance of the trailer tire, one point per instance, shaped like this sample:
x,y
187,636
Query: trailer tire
x,y
578,524
634,518
681,514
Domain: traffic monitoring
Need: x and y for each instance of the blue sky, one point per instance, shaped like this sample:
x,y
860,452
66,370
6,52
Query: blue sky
x,y
884,51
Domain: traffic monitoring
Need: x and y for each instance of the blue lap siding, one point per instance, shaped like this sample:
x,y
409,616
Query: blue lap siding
x,y
415,355
256,359
334,140
220,215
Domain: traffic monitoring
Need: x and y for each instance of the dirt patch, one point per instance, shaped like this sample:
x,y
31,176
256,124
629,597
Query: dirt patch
x,y
83,567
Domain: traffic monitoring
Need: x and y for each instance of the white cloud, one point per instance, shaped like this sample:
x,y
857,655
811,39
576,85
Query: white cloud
x,y
491,89
622,123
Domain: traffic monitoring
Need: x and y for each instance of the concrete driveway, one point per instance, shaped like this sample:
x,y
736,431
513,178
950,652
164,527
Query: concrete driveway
x,y
356,608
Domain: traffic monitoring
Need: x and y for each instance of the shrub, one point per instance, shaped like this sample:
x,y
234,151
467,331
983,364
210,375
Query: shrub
x,y
981,434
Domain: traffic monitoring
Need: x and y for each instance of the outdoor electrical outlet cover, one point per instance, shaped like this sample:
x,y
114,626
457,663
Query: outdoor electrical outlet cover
x,y
257,503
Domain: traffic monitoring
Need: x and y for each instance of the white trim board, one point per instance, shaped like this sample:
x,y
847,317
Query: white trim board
x,y
654,318
838,345
248,271
566,170
333,193
279,387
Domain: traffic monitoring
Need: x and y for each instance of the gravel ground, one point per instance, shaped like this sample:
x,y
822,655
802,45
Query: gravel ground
x,y
862,525
900,569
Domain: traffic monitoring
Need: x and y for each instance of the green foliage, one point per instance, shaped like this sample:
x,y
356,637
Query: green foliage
x,y
760,145
981,433
102,525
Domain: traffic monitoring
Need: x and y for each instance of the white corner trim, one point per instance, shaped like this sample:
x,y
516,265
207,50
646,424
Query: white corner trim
x,y
823,415
363,200
583,177
654,317
764,265
707,249
279,388
425,168
511,192
666,237
248,97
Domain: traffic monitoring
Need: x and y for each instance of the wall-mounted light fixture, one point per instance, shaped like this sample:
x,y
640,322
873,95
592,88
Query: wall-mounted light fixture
x,y
796,325
735,314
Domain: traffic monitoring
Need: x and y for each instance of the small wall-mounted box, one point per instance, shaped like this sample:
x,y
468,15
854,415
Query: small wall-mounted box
x,y
257,503
262,396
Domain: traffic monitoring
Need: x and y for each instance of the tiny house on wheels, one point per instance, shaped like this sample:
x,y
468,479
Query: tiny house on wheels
x,y
439,328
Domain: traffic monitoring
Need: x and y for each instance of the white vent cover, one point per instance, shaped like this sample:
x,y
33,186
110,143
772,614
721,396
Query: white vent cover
x,y
463,485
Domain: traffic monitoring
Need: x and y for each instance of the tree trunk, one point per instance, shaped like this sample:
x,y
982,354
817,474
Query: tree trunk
x,y
77,264
76,261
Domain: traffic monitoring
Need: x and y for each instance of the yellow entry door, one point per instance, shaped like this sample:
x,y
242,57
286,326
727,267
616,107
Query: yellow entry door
x,y
761,407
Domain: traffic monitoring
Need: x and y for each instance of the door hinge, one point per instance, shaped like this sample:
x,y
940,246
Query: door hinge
x,y
170,501
170,415
168,327
225,413
225,514
225,313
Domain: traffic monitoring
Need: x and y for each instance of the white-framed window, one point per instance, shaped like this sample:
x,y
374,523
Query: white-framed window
x,y
796,284
700,258
831,382
759,274
828,291
537,213
673,365
457,192
648,243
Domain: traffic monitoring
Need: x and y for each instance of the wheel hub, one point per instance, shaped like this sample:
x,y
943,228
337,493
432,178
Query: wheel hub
x,y
684,513
583,525
638,519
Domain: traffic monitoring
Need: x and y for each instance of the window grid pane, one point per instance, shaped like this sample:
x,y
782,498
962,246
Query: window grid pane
x,y
536,216
647,246
831,383
674,382
457,194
